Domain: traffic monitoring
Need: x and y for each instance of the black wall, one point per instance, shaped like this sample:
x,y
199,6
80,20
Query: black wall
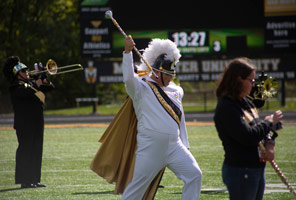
x,y
152,14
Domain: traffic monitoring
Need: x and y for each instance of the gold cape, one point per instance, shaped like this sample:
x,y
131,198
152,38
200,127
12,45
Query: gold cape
x,y
116,156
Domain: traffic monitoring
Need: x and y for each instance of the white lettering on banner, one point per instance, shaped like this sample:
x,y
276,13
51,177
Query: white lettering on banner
x,y
94,45
189,70
275,64
290,75
187,66
206,66
96,31
188,77
281,25
218,66
277,75
117,68
265,64
194,49
261,64
214,65
205,77
215,77
280,33
111,79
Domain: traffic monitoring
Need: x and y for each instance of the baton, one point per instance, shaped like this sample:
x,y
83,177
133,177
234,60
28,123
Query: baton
x,y
278,171
109,15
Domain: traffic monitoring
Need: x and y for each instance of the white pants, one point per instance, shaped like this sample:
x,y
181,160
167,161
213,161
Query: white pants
x,y
155,151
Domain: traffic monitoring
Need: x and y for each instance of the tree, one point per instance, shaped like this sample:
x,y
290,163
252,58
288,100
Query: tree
x,y
38,30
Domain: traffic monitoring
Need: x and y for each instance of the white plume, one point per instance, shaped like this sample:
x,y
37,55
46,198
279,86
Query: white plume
x,y
157,47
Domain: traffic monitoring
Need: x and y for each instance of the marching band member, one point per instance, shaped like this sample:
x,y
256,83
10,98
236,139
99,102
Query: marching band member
x,y
162,138
27,99
241,132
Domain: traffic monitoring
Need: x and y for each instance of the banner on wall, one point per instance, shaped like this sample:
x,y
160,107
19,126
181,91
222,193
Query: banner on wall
x,y
200,70
279,7
96,32
280,34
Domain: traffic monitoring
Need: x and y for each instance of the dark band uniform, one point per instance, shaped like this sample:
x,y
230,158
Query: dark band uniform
x,y
29,124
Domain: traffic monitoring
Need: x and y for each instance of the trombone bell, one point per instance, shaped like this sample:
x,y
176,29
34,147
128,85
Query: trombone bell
x,y
51,67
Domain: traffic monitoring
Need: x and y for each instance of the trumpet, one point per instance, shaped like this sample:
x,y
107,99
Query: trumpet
x,y
52,68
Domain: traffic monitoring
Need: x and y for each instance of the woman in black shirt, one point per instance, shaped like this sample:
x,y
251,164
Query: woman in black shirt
x,y
241,131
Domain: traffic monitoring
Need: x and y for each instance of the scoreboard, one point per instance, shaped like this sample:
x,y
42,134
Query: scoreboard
x,y
199,41
205,52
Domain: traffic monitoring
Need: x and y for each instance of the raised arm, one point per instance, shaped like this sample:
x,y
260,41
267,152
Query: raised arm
x,y
131,82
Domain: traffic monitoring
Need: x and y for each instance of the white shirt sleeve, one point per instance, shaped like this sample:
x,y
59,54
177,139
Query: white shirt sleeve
x,y
129,76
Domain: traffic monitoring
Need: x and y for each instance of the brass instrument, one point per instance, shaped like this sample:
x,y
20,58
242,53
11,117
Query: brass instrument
x,y
266,87
52,68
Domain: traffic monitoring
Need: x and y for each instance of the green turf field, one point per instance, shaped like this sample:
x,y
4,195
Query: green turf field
x,y
68,153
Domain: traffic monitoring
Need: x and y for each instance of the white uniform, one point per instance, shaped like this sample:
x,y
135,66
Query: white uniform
x,y
160,141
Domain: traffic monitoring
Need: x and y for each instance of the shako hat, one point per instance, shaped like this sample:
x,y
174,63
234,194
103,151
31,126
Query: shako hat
x,y
162,55
12,66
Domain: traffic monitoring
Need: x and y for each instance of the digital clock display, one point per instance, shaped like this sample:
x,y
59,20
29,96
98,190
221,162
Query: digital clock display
x,y
191,41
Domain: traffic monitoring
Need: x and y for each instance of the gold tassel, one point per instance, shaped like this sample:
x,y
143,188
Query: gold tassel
x,y
142,73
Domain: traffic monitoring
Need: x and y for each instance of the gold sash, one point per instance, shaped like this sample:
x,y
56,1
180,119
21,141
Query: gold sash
x,y
40,95
164,104
250,115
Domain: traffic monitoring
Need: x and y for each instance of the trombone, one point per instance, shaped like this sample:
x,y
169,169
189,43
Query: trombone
x,y
52,68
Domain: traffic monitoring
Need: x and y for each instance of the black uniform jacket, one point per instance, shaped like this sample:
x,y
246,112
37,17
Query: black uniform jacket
x,y
239,137
28,109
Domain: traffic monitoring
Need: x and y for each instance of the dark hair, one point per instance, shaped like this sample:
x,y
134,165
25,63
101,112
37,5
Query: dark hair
x,y
8,67
229,85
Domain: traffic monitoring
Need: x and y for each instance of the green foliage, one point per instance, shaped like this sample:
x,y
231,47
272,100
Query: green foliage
x,y
38,30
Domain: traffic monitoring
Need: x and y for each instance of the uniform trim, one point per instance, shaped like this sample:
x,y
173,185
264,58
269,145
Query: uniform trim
x,y
166,103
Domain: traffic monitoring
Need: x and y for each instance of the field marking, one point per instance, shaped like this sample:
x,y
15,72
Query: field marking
x,y
105,125
78,125
100,125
